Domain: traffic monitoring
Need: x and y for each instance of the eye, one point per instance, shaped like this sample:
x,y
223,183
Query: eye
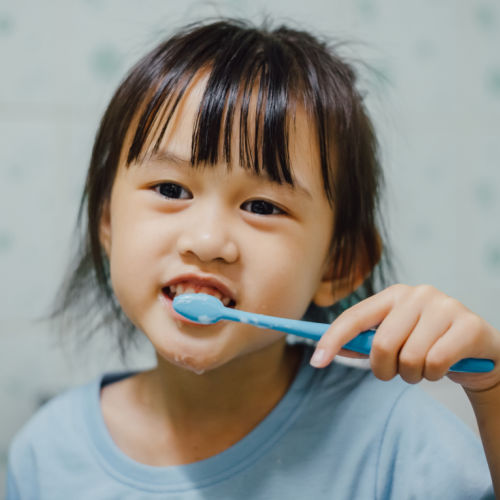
x,y
262,207
173,191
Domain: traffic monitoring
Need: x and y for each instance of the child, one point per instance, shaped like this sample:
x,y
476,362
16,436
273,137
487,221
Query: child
x,y
240,162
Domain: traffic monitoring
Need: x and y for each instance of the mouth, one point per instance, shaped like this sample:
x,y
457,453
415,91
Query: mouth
x,y
199,286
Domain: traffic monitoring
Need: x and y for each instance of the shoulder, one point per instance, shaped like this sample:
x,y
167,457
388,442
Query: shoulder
x,y
404,435
395,408
423,438
414,408
349,404
53,435
55,419
64,421
55,445
44,442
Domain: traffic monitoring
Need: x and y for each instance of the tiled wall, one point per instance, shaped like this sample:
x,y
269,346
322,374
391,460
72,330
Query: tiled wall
x,y
435,97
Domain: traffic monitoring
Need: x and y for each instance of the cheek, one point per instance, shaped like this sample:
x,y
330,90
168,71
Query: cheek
x,y
288,276
128,284
138,236
131,266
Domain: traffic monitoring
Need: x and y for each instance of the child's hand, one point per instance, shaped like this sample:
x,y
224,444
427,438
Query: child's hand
x,y
421,332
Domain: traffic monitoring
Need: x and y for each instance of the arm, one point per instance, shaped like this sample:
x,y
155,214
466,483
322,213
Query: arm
x,y
421,333
486,405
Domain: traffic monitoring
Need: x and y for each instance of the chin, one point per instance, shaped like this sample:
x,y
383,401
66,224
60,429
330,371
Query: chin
x,y
195,363
206,355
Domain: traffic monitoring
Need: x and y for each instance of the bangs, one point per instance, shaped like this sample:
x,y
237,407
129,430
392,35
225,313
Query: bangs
x,y
254,83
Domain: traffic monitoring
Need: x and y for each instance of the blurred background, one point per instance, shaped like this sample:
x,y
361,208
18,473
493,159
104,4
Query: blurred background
x,y
433,92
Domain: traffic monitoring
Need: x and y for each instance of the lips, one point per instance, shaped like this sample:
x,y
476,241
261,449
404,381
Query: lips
x,y
196,284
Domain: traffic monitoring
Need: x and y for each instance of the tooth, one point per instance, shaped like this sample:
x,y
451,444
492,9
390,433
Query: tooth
x,y
186,287
212,291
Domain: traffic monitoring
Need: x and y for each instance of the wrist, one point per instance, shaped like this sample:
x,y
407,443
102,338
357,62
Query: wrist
x,y
485,398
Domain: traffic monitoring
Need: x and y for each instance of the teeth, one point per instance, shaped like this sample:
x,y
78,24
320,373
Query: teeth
x,y
181,288
215,293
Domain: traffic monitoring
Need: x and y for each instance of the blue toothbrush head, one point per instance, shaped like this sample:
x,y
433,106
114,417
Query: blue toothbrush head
x,y
199,307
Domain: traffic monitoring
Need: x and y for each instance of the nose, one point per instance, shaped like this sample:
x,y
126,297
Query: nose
x,y
207,235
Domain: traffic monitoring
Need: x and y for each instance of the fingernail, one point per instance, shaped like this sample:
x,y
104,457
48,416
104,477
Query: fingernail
x,y
317,358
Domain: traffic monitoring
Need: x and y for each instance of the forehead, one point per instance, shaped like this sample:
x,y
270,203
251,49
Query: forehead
x,y
201,128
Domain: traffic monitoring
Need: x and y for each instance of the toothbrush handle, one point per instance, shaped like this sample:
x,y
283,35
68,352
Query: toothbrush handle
x,y
307,329
473,365
361,344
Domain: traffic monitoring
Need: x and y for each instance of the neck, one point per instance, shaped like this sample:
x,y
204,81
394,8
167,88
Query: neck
x,y
239,393
179,417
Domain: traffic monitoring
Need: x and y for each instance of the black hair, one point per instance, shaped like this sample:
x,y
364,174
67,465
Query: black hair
x,y
283,68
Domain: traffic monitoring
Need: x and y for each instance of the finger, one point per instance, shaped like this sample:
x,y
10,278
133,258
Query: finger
x,y
390,337
432,324
487,348
358,318
463,339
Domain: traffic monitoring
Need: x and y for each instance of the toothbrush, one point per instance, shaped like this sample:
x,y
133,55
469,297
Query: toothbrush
x,y
206,309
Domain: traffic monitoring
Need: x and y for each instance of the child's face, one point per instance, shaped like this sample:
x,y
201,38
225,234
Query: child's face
x,y
222,231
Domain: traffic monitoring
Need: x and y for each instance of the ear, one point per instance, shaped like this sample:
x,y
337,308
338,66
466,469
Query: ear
x,y
334,288
331,290
105,228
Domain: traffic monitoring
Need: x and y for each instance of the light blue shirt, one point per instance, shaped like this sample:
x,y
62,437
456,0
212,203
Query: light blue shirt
x,y
338,433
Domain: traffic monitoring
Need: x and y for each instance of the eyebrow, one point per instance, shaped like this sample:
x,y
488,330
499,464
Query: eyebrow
x,y
170,157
